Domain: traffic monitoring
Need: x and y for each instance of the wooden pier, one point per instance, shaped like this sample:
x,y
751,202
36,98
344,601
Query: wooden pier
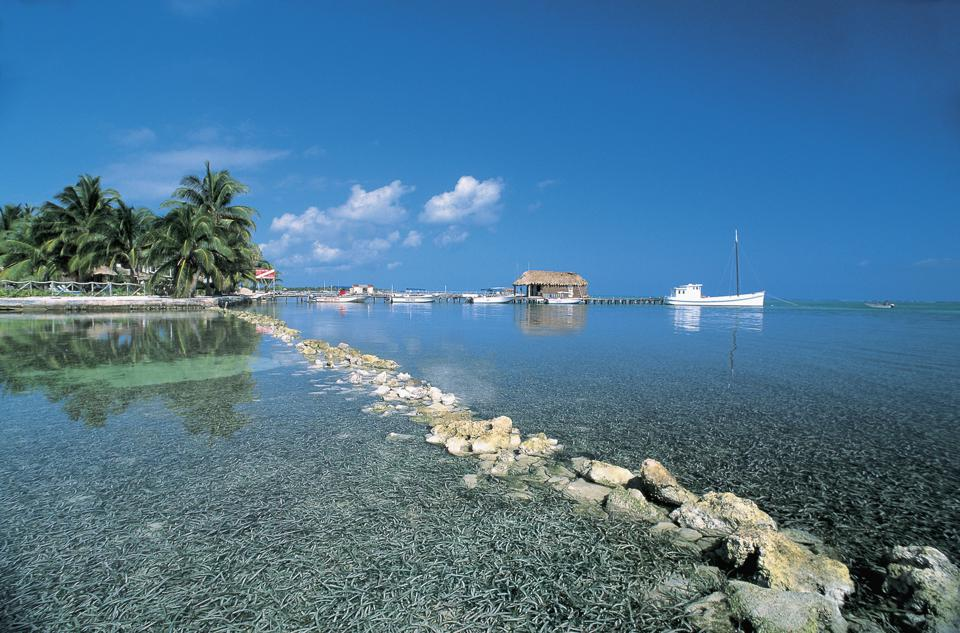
x,y
457,297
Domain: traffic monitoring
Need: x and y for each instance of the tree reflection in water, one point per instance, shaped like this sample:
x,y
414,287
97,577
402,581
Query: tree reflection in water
x,y
97,365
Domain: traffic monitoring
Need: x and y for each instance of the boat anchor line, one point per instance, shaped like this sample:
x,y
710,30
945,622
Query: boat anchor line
x,y
724,529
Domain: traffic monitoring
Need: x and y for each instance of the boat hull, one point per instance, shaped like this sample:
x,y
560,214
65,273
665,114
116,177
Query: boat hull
x,y
348,299
563,301
503,299
751,300
411,299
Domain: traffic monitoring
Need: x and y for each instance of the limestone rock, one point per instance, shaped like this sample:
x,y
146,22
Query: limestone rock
x,y
471,481
458,446
490,442
382,390
381,378
631,505
398,437
777,562
581,465
501,424
686,534
582,491
539,444
710,614
659,485
775,611
433,438
435,394
608,474
448,399
664,527
721,513
927,585
558,470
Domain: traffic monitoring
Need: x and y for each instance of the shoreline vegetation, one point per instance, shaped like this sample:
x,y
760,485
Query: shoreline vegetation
x,y
204,240
754,575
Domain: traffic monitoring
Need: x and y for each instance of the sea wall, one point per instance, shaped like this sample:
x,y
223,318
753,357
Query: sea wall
x,y
755,575
79,303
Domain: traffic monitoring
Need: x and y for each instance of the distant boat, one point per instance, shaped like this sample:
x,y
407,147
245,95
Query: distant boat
x,y
880,304
412,296
565,298
338,298
692,294
492,295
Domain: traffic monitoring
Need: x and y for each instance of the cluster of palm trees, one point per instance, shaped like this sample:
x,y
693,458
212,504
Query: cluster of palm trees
x,y
202,239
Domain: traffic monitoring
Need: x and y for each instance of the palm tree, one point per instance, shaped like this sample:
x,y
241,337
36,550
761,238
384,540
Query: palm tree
x,y
22,255
212,195
63,227
10,214
186,246
117,238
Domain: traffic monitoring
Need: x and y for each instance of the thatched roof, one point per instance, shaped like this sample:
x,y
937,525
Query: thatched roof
x,y
549,278
104,271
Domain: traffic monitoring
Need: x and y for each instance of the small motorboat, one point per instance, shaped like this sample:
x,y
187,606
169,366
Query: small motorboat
x,y
493,295
563,299
880,304
411,296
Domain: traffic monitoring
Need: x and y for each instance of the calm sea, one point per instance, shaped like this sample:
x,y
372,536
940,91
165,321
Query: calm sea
x,y
181,470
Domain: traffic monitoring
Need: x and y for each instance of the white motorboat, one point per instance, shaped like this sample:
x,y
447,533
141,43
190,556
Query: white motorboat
x,y
338,299
492,295
563,299
411,297
880,304
692,294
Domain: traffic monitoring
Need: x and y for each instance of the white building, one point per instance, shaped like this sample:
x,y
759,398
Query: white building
x,y
362,289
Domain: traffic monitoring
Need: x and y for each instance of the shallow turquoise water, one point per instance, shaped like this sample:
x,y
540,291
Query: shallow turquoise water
x,y
181,471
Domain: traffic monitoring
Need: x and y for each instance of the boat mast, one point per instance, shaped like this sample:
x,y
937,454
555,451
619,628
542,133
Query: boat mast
x,y
736,250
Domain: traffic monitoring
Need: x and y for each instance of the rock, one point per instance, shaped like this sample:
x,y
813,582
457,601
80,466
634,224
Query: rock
x,y
382,390
582,491
381,378
438,408
416,393
515,439
721,513
927,585
687,585
403,377
448,399
435,394
557,470
664,527
398,437
558,483
773,560
608,474
775,611
501,424
500,469
581,465
458,446
686,534
471,481
433,438
490,442
633,506
710,614
659,485
539,445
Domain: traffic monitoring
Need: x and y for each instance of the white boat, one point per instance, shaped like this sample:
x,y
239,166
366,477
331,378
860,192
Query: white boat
x,y
880,304
692,294
492,295
409,297
338,299
566,298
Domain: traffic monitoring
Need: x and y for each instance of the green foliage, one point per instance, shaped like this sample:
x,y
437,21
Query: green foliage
x,y
204,239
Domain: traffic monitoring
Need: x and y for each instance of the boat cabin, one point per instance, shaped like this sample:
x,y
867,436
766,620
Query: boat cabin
x,y
689,291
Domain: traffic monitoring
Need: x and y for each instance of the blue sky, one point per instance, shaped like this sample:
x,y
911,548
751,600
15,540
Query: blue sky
x,y
433,144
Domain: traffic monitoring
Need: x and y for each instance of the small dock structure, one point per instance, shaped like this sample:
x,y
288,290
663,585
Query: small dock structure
x,y
547,283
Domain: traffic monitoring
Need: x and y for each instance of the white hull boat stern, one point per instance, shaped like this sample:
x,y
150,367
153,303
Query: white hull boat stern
x,y
492,299
750,300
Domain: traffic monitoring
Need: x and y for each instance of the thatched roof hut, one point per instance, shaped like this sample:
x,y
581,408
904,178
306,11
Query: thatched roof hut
x,y
540,283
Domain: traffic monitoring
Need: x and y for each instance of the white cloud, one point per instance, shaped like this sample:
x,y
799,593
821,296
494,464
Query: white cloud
x,y
936,262
313,151
324,254
413,239
470,201
135,137
154,175
380,206
544,184
453,235
394,265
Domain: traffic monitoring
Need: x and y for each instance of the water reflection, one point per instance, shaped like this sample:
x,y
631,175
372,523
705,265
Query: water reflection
x,y
686,318
693,318
98,365
547,320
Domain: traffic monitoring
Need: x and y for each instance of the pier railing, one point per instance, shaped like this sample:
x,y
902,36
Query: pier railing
x,y
86,288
